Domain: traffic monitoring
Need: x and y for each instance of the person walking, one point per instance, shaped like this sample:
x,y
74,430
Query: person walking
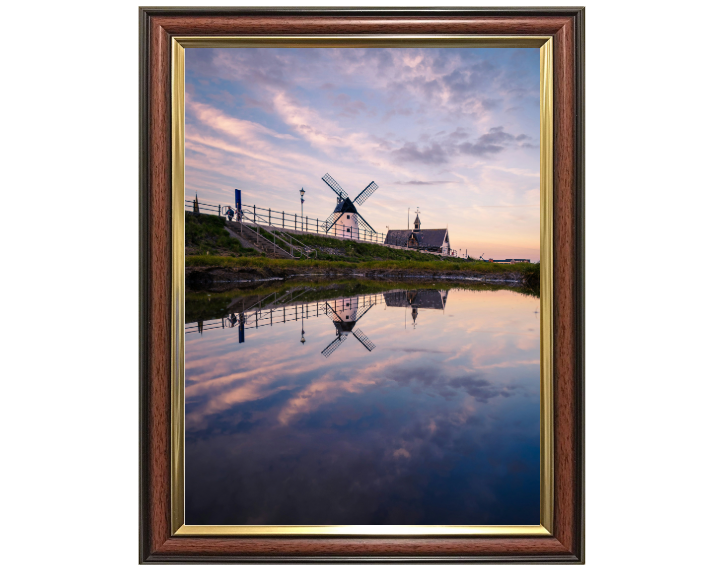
x,y
230,214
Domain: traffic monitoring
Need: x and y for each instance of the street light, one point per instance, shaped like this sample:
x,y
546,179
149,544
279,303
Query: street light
x,y
302,201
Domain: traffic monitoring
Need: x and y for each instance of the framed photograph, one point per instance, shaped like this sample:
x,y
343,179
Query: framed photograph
x,y
361,285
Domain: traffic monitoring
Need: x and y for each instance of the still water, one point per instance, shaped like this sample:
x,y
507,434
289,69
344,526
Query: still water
x,y
405,404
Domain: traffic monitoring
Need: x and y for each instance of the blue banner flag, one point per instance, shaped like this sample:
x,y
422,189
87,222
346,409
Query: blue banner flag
x,y
238,199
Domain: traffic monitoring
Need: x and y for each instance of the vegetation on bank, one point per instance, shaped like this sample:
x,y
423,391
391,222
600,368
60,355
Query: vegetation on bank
x,y
334,250
207,239
482,266
205,234
209,245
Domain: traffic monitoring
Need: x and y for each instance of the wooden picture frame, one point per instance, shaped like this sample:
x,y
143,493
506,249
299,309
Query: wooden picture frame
x,y
160,541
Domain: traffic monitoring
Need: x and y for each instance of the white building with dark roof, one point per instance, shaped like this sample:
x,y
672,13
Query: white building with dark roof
x,y
434,240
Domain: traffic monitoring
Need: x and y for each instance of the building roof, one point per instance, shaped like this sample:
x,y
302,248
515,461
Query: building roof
x,y
417,220
426,238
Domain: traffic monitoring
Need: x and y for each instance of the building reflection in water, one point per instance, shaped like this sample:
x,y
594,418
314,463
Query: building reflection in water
x,y
345,313
429,299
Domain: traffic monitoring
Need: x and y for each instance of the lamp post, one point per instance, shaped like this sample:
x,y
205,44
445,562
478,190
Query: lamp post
x,y
302,201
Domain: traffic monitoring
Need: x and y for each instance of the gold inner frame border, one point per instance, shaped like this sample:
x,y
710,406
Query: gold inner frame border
x,y
177,398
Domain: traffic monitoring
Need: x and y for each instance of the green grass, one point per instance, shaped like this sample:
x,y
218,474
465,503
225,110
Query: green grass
x,y
361,251
264,233
207,234
204,260
208,237
353,251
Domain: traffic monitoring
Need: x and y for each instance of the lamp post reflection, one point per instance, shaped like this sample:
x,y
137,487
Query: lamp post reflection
x,y
302,321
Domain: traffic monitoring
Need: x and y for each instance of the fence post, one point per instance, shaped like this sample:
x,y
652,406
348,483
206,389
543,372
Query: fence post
x,y
317,225
219,214
254,214
283,219
269,217
295,226
306,223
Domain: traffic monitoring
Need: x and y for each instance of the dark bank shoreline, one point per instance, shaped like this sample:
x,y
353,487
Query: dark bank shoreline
x,y
223,277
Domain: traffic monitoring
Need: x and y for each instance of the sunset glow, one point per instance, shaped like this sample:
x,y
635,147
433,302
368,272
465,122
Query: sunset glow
x,y
453,132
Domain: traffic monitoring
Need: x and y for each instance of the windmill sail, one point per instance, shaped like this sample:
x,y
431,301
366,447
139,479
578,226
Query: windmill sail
x,y
331,313
330,222
347,326
364,225
364,340
330,181
365,194
334,345
362,310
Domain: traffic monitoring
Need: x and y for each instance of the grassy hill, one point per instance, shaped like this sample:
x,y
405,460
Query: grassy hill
x,y
209,245
207,235
331,249
334,250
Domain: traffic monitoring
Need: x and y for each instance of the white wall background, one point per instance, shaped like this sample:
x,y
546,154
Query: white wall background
x,y
70,288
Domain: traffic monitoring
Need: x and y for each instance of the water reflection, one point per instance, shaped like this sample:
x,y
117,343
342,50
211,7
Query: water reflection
x,y
430,417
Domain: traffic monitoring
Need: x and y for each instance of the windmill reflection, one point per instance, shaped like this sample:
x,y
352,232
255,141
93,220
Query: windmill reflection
x,y
345,314
248,312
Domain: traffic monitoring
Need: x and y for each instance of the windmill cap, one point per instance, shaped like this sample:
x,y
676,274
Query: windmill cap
x,y
345,206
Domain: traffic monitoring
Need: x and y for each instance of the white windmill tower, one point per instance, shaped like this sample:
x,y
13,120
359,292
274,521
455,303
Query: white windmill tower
x,y
345,221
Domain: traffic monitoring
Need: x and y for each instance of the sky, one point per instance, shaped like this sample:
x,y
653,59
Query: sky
x,y
453,132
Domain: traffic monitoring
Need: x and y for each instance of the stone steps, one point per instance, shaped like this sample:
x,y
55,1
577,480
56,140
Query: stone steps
x,y
258,241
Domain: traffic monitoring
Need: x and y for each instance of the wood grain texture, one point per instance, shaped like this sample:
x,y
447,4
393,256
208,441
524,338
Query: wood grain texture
x,y
156,542
159,237
361,547
563,286
306,25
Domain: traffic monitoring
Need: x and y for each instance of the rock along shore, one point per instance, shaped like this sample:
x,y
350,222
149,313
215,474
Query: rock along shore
x,y
206,276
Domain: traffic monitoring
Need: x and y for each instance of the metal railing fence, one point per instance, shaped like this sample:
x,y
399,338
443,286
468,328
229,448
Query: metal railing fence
x,y
288,221
291,221
258,315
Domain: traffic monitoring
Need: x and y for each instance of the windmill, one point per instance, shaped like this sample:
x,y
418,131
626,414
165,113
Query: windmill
x,y
345,218
345,315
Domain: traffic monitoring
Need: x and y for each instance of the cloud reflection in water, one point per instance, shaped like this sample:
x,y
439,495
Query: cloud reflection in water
x,y
439,424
